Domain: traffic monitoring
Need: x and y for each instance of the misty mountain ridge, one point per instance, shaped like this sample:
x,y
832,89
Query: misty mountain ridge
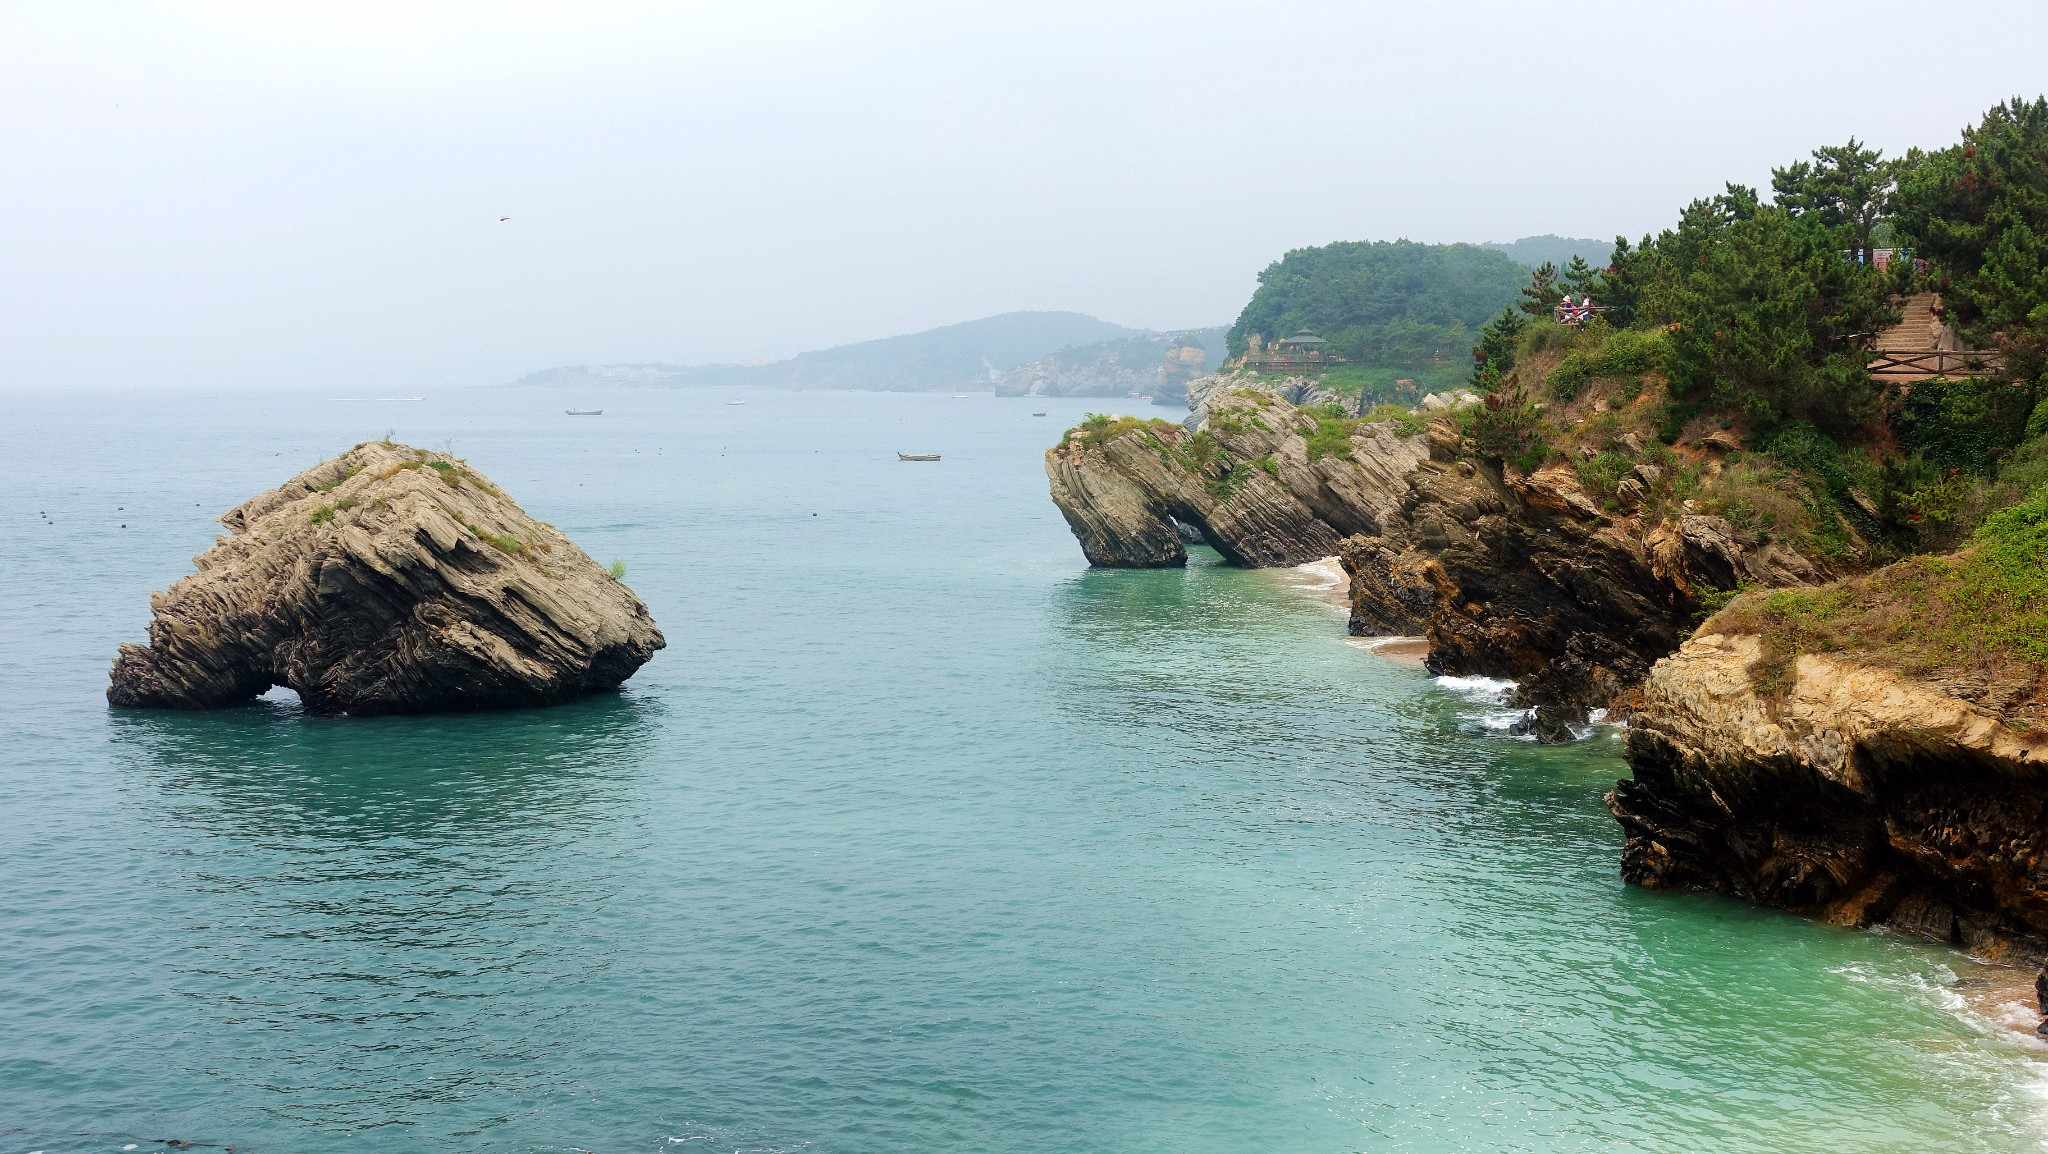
x,y
1534,251
1042,352
970,354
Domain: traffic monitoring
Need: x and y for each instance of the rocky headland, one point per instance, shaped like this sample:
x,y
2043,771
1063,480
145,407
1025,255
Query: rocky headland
x,y
1869,752
387,580
1532,576
1158,365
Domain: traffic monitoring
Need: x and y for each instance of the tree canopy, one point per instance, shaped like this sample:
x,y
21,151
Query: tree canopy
x,y
1383,303
1978,212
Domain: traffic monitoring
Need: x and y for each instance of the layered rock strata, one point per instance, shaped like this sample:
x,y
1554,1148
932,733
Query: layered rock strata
x,y
1296,390
387,580
1248,482
1855,794
1513,575
1523,576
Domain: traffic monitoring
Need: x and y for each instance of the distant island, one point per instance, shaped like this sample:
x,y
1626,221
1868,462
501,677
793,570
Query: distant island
x,y
1074,354
969,355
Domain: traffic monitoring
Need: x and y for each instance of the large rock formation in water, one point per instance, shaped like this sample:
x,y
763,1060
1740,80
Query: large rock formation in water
x,y
387,580
1852,792
1252,482
1508,574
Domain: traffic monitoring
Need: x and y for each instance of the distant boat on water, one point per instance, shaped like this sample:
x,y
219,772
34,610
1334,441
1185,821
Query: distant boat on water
x,y
917,456
584,412
735,402
959,396
1038,414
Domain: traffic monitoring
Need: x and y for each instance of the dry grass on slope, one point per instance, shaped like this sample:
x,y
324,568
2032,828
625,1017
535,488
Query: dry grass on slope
x,y
1974,621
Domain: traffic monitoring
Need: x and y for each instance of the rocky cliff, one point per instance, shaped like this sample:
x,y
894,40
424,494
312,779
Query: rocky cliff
x,y
1871,751
387,580
1297,390
1508,574
1851,793
1156,365
1254,482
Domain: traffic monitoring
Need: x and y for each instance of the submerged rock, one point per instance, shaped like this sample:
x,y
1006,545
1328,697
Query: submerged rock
x,y
387,580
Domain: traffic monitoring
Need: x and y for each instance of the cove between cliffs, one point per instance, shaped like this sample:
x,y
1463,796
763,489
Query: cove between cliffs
x,y
1993,997
1523,577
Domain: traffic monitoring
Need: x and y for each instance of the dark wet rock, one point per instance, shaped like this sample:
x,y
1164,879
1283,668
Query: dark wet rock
x,y
1854,794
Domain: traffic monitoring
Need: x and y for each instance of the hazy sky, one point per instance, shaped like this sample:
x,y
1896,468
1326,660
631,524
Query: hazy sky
x,y
274,193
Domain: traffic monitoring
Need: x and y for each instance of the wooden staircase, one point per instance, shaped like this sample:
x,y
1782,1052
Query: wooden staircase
x,y
1922,345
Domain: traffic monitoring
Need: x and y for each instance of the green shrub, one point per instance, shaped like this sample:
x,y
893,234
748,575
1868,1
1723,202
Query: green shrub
x,y
1603,472
1623,354
1985,607
1964,425
1503,426
1331,438
1407,422
1100,429
617,570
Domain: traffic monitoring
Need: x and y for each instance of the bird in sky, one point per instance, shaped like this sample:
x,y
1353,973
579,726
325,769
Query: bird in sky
x,y
503,218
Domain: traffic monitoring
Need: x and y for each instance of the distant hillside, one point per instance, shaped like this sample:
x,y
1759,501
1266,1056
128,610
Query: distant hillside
x,y
967,355
1150,363
1558,250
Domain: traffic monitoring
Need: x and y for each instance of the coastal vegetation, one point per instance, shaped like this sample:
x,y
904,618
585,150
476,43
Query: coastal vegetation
x,y
1393,310
1740,341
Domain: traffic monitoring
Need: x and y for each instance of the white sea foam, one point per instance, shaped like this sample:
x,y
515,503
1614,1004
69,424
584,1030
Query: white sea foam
x,y
1483,690
1327,573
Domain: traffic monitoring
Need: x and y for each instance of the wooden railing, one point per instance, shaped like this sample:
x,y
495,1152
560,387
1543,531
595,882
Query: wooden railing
x,y
1919,363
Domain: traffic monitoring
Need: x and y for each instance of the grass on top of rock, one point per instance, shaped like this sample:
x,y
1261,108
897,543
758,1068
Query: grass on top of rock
x,y
1332,435
1099,429
1982,610
504,542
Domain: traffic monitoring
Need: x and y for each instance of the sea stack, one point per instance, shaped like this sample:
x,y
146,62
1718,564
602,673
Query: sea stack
x,y
387,580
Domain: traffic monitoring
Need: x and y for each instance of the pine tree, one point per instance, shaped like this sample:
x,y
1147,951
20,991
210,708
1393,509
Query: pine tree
x,y
1540,295
1580,278
1979,212
1495,352
1846,186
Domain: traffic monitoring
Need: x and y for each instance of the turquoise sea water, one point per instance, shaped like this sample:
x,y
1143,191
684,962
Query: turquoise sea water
x,y
919,836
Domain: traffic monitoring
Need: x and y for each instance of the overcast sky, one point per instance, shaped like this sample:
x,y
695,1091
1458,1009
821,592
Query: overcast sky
x,y
297,195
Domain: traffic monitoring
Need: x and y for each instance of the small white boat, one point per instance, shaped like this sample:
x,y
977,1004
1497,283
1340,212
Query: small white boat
x,y
584,412
735,402
959,396
1038,414
917,456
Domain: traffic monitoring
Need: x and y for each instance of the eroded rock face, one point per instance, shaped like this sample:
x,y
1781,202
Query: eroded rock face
x,y
1521,576
387,580
1249,482
1859,796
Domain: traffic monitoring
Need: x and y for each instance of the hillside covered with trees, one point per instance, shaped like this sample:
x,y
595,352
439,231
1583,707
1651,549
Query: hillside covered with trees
x,y
1755,318
1391,309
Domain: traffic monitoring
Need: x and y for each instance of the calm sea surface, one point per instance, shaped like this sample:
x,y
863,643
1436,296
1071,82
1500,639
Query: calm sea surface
x,y
919,836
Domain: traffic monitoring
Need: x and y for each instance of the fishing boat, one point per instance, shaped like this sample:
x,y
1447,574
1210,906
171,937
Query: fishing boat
x,y
917,456
1038,414
584,412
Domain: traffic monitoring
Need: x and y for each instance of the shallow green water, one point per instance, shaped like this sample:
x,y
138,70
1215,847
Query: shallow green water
x,y
920,836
